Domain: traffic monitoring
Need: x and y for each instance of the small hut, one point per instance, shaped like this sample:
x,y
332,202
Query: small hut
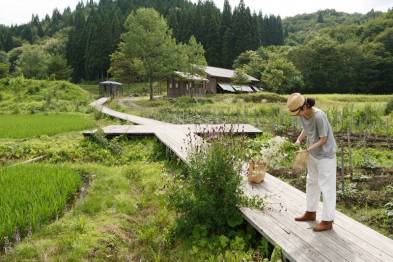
x,y
110,88
186,84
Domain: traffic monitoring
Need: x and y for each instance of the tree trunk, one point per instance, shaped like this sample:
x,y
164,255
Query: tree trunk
x,y
151,88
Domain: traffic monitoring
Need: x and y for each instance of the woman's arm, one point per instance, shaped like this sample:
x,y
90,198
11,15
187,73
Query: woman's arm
x,y
300,137
320,142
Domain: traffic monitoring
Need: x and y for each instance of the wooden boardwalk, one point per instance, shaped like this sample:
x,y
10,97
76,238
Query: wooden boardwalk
x,y
348,241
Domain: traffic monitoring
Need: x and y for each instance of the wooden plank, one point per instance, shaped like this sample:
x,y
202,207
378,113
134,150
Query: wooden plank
x,y
293,246
179,142
361,250
99,105
348,224
326,243
113,130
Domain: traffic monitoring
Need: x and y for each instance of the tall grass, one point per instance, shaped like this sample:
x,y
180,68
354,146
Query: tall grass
x,y
23,126
361,113
31,195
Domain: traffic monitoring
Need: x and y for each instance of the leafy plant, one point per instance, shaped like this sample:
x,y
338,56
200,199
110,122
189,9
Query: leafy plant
x,y
209,192
389,107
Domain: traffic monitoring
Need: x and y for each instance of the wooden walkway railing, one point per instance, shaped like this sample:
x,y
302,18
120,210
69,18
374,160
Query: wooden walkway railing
x,y
348,241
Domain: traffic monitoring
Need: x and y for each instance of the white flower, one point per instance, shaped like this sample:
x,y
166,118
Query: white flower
x,y
271,152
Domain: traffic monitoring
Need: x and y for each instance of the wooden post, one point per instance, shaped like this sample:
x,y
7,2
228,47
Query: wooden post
x,y
342,168
350,151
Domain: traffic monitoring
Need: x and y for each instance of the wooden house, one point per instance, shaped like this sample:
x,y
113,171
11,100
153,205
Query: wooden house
x,y
185,84
220,81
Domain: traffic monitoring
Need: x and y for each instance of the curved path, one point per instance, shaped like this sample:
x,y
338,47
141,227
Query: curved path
x,y
349,241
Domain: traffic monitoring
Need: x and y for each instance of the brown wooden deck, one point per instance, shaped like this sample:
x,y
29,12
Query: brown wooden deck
x,y
348,241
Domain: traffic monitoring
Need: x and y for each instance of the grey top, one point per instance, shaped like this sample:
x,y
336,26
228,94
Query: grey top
x,y
318,126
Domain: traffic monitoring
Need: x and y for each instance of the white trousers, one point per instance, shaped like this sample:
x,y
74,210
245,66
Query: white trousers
x,y
321,177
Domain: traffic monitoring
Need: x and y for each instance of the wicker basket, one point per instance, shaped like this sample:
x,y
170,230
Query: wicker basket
x,y
300,161
256,171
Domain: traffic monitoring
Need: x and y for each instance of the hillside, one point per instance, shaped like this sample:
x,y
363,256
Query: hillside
x,y
300,27
19,95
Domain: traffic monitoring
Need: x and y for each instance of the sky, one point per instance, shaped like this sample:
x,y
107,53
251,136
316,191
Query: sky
x,y
20,11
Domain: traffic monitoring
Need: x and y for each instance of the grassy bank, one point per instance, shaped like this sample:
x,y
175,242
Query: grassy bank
x,y
26,96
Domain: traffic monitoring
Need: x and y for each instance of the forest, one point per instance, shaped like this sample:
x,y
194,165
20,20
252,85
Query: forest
x,y
323,52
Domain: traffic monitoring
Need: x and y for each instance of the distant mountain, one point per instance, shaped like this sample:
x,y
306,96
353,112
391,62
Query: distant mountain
x,y
301,27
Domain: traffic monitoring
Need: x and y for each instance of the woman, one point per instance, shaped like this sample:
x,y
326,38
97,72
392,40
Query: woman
x,y
321,163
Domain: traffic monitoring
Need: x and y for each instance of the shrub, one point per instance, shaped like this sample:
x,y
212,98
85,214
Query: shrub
x,y
209,192
268,97
389,107
367,117
185,101
4,68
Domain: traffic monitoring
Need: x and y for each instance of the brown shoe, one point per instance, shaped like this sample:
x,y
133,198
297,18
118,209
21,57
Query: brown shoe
x,y
308,216
323,226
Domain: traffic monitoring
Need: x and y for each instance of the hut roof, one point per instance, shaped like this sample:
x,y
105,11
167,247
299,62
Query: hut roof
x,y
111,83
188,76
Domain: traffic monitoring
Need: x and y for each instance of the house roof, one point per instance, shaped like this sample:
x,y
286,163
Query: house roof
x,y
189,76
224,73
111,83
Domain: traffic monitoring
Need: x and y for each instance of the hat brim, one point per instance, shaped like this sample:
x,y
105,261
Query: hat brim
x,y
294,113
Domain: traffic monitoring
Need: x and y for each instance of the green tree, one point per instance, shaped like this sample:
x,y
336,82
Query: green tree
x,y
252,63
149,44
240,77
320,62
3,57
242,29
227,55
320,17
58,68
76,44
281,76
193,58
122,67
194,55
32,62
4,68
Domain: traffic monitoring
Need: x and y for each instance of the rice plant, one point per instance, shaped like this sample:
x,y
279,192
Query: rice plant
x,y
23,126
32,195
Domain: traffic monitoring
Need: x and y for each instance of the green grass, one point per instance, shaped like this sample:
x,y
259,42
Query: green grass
x,y
124,214
23,126
20,96
268,111
32,195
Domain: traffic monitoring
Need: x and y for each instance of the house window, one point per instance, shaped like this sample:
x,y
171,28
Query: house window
x,y
177,84
170,84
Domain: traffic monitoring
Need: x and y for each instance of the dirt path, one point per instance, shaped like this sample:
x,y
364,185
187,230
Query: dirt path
x,y
128,102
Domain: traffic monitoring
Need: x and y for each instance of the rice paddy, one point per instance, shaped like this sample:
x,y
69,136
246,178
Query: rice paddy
x,y
24,126
32,195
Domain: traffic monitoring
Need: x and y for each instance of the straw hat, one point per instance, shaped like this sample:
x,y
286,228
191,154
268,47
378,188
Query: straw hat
x,y
294,103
